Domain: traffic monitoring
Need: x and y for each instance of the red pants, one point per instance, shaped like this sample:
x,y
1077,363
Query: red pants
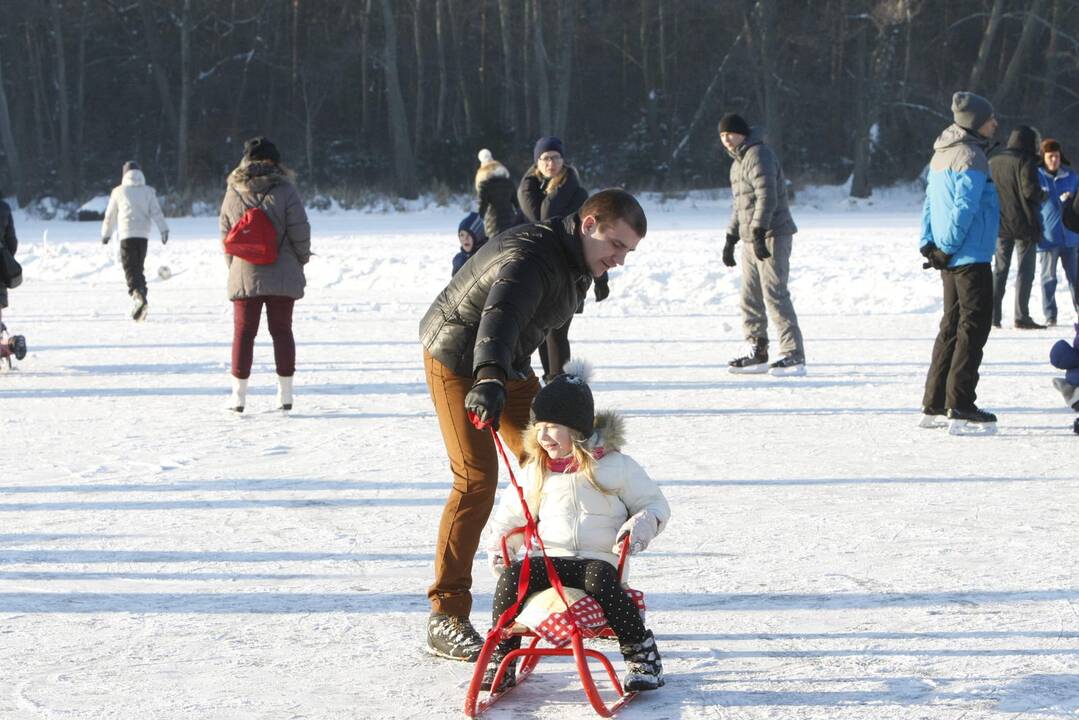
x,y
246,314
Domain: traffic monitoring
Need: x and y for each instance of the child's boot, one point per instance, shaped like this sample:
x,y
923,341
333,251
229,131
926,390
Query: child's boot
x,y
239,394
509,678
644,671
284,392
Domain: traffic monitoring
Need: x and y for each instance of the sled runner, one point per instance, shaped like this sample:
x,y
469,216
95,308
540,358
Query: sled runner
x,y
564,631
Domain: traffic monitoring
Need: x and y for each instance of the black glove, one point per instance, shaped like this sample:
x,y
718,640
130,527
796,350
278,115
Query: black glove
x,y
485,402
760,247
728,250
935,257
105,240
601,288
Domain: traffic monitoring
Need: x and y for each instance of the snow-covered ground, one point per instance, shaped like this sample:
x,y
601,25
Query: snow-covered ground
x,y
161,558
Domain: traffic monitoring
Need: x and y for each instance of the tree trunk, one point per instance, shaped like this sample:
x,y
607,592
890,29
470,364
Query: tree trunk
x,y
67,184
978,71
509,106
365,107
7,137
404,164
459,71
153,45
769,64
421,84
859,185
80,104
182,179
567,19
1052,68
539,65
1031,29
443,75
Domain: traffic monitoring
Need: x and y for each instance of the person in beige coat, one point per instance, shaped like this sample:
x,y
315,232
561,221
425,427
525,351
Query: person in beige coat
x,y
133,206
261,180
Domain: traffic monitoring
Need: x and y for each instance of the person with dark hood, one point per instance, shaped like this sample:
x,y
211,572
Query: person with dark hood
x,y
761,219
10,345
1059,243
132,207
1015,174
497,195
960,219
550,189
262,181
478,337
471,236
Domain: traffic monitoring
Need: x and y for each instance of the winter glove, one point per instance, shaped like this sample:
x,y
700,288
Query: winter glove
x,y
760,247
601,288
485,402
164,236
728,250
105,240
496,563
641,528
935,257
1065,197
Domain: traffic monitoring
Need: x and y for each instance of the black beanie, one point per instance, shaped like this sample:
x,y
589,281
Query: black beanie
x,y
260,148
129,165
735,123
567,400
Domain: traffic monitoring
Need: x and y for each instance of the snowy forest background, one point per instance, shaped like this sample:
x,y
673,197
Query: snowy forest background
x,y
394,97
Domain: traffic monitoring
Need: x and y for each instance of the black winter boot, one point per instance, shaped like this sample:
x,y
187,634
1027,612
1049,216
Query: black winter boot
x,y
453,638
755,361
644,670
509,679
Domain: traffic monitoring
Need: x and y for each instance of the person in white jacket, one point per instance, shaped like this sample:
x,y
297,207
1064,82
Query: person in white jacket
x,y
132,207
586,495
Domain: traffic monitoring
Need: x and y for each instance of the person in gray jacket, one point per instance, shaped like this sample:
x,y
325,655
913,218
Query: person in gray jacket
x,y
132,207
760,215
262,181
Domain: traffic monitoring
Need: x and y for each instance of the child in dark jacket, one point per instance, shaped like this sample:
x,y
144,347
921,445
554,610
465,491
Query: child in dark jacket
x,y
471,236
1066,357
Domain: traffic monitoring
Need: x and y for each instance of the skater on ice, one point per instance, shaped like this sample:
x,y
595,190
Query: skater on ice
x,y
586,495
478,338
761,220
10,345
261,183
132,207
471,236
552,188
1059,244
960,218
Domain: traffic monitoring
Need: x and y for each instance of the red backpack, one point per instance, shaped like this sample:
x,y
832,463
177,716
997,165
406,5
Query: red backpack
x,y
253,237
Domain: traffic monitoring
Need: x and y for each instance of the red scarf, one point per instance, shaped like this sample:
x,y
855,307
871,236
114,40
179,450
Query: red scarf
x,y
568,464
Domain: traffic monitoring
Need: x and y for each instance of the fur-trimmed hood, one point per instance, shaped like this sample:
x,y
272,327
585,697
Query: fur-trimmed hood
x,y
259,176
488,170
609,433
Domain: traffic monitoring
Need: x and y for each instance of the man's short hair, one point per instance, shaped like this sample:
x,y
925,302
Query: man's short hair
x,y
614,204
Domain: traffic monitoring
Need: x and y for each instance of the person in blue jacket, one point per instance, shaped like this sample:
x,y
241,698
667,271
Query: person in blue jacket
x,y
960,220
471,236
1058,243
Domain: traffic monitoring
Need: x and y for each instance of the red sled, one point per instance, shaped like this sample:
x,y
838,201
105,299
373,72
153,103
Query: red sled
x,y
565,632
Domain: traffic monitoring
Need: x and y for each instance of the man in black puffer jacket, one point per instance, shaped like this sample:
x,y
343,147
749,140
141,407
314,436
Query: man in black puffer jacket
x,y
1015,173
478,337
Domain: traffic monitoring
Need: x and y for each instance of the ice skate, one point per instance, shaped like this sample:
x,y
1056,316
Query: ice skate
x,y
971,421
239,395
933,417
139,307
1069,392
792,365
284,393
755,360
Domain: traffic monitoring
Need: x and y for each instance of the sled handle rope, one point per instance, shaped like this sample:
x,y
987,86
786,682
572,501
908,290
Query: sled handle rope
x,y
531,533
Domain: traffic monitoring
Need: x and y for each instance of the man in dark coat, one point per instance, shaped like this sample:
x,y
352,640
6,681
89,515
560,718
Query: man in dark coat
x,y
9,344
478,338
1015,173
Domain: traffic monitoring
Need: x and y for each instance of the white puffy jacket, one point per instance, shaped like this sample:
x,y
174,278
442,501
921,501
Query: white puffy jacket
x,y
575,519
132,205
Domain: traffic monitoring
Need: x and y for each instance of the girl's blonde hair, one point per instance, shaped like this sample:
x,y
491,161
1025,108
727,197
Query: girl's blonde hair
x,y
536,455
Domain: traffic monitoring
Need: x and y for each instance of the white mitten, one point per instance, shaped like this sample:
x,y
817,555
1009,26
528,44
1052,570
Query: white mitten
x,y
641,528
1065,197
496,563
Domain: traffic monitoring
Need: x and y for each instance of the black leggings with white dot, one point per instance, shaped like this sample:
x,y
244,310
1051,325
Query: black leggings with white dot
x,y
598,578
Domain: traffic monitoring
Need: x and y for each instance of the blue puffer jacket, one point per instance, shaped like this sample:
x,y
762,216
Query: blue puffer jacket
x,y
962,212
1054,234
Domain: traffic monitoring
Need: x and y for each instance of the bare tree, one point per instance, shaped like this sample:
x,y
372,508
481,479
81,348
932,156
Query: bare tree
x,y
539,68
1032,27
11,149
403,162
977,72
67,180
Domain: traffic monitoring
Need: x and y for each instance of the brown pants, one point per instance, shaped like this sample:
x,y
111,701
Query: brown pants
x,y
474,462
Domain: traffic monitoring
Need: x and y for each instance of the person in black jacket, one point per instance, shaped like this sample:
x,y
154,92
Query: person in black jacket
x,y
1015,173
478,338
9,344
552,189
497,195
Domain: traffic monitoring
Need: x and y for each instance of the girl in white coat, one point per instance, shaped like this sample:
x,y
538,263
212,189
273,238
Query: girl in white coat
x,y
586,495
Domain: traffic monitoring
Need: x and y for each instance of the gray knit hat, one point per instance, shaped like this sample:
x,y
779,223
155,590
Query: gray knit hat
x,y
970,111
